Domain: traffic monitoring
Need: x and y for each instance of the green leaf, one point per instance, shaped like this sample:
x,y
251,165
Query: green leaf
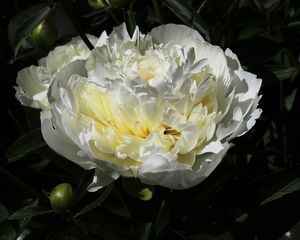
x,y
289,188
130,21
95,12
84,181
16,184
188,15
18,118
97,202
99,20
68,6
145,231
284,73
7,232
25,144
116,204
32,117
68,171
162,219
3,212
294,24
71,233
28,25
159,11
25,232
289,100
248,32
272,220
29,212
271,4
268,185
109,231
201,6
204,236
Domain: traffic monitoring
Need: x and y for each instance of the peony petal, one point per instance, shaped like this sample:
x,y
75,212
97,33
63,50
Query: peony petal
x,y
232,60
215,57
188,139
63,55
102,39
179,176
33,83
60,143
248,87
213,147
179,34
101,179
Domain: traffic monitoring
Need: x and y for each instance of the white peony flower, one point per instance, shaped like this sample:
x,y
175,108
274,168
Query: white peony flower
x,y
162,107
34,81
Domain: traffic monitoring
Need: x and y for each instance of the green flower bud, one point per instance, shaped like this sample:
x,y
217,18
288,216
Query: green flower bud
x,y
62,197
135,188
44,35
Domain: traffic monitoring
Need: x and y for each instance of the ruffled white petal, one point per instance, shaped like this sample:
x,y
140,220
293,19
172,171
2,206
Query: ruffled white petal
x,y
179,34
56,138
33,83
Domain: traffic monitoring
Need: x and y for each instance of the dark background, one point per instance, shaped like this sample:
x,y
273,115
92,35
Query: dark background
x,y
253,194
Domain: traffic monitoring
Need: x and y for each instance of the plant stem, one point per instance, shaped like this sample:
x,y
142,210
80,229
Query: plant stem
x,y
67,7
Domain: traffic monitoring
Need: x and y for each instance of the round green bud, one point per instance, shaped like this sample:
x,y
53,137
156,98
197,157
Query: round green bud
x,y
62,197
135,188
44,35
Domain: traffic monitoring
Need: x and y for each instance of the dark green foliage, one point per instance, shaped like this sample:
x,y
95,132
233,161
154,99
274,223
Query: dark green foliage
x,y
253,194
28,25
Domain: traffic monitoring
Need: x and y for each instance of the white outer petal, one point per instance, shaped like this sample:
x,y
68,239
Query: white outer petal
x,y
179,34
216,59
65,54
33,83
120,33
101,179
57,140
161,169
232,60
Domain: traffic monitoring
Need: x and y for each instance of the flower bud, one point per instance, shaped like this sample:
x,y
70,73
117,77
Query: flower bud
x,y
62,197
135,188
44,35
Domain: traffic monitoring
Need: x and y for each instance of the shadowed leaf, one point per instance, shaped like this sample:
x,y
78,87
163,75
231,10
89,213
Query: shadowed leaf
x,y
27,143
28,25
162,220
3,212
29,212
289,188
7,232
289,100
188,15
98,201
